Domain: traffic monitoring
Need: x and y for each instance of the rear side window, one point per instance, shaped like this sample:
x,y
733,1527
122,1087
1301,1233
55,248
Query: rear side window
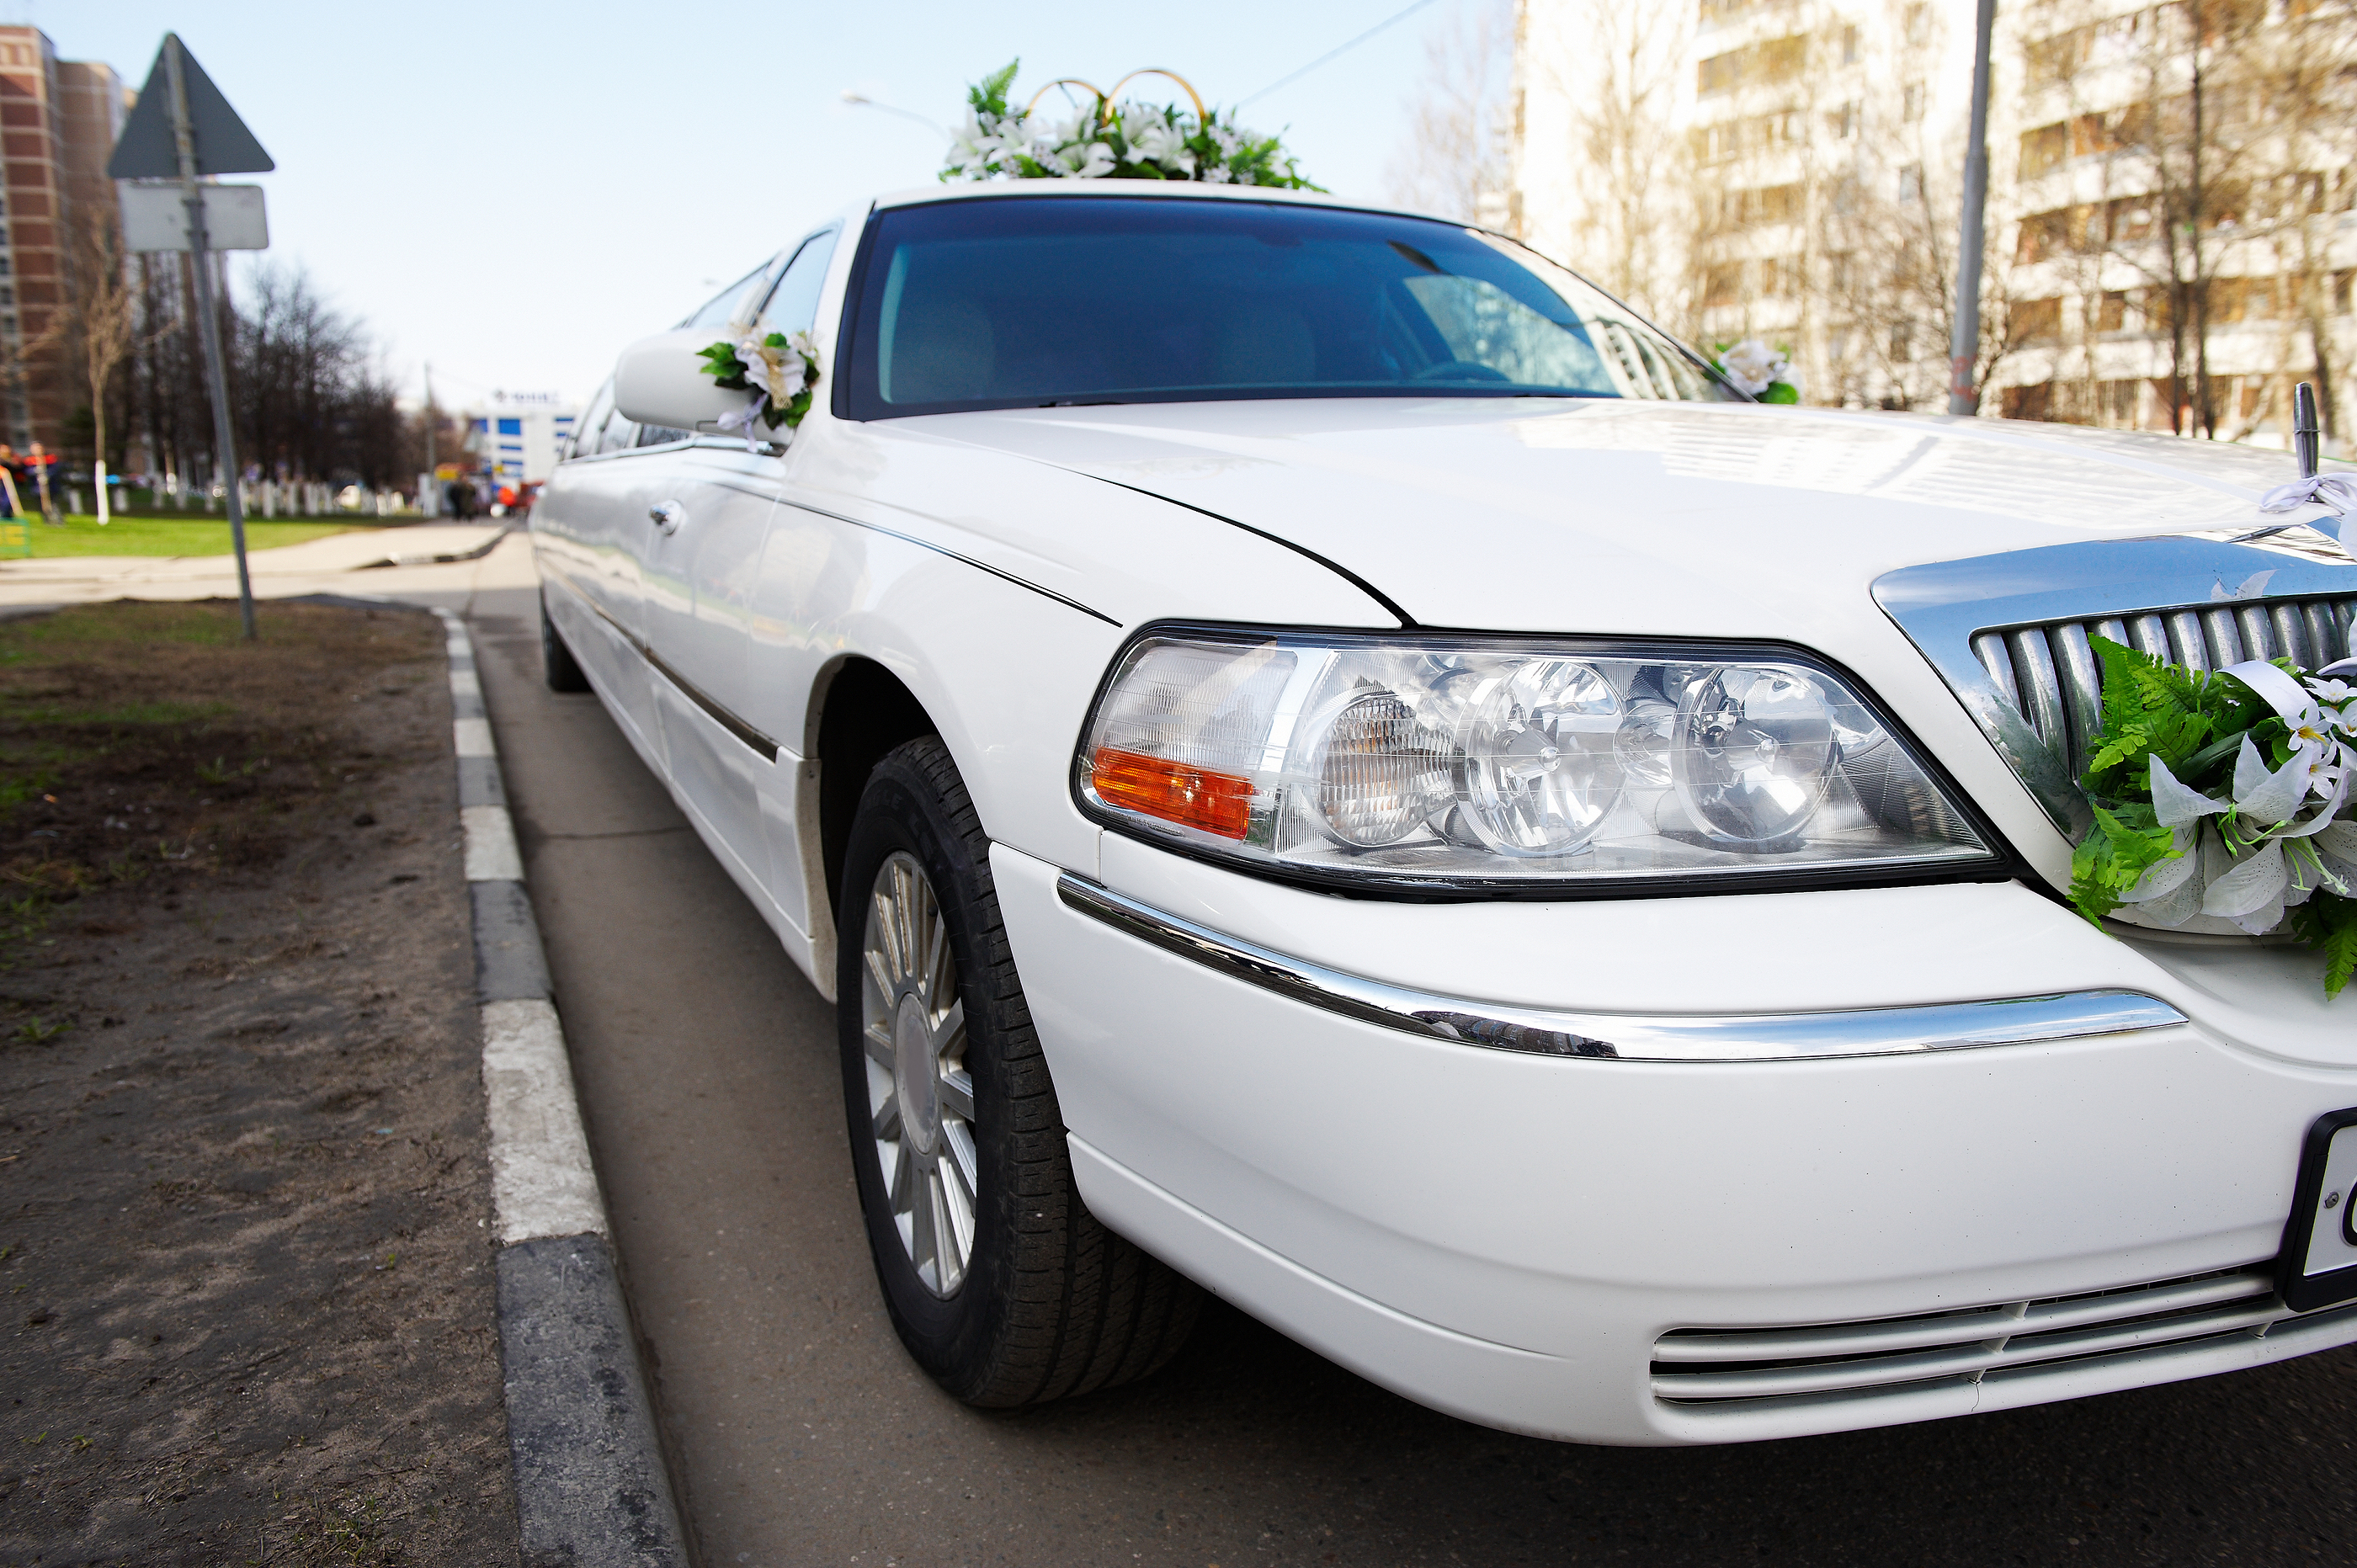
x,y
792,304
721,309
621,433
586,431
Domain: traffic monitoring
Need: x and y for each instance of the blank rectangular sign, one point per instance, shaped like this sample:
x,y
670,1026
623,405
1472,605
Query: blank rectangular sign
x,y
155,216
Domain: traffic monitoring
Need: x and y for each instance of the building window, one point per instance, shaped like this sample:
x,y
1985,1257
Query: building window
x,y
2043,149
2038,320
1849,44
1911,97
1765,63
510,426
1910,183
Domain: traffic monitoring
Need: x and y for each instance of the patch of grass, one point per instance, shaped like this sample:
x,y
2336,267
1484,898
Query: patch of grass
x,y
195,535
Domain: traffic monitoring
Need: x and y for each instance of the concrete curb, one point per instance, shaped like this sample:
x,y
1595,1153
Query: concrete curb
x,y
591,1490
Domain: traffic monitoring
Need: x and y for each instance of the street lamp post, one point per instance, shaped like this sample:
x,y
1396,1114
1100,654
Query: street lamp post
x,y
1964,348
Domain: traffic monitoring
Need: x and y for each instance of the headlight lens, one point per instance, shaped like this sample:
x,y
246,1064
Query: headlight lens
x,y
1458,760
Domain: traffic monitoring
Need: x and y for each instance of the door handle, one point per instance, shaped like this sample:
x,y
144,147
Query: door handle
x,y
667,516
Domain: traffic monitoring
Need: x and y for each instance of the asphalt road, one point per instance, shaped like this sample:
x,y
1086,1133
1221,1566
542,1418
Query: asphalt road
x,y
800,1432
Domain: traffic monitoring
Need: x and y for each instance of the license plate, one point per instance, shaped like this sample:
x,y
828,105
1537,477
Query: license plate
x,y
2319,1266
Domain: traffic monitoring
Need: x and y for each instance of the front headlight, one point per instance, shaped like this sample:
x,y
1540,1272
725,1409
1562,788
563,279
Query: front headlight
x,y
1459,761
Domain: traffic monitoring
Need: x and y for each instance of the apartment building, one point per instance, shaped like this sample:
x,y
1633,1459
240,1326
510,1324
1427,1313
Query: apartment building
x,y
59,120
1791,169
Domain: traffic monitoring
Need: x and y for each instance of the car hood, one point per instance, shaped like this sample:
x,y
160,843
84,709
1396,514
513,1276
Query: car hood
x,y
1638,517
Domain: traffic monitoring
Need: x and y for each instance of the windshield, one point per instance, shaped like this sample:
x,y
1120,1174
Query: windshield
x,y
1051,301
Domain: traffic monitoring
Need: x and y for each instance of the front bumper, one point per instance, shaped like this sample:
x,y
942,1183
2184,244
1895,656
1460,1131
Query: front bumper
x,y
1507,1236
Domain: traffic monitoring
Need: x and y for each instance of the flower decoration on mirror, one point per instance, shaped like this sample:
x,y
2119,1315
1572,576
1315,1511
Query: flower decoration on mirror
x,y
1110,139
778,373
2224,797
1763,373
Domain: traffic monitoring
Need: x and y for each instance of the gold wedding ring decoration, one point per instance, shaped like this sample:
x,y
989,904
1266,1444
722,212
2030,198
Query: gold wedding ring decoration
x,y
1103,99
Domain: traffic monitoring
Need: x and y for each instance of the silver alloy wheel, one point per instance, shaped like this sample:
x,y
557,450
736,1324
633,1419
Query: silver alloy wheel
x,y
920,1097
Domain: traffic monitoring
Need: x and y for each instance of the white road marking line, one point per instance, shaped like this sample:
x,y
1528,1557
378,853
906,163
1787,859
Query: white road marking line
x,y
464,685
474,737
542,1181
491,852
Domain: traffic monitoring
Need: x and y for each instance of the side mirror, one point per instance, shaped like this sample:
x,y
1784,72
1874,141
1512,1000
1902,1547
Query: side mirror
x,y
661,381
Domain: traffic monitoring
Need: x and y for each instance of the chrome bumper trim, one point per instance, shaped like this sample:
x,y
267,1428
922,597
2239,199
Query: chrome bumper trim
x,y
1624,1037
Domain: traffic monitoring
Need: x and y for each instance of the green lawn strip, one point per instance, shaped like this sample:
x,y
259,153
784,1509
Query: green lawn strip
x,y
81,535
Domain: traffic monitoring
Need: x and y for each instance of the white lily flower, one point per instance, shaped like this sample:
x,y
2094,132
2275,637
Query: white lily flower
x,y
1093,160
1160,143
1755,366
1216,175
2164,877
975,145
2176,804
768,369
2273,797
2256,883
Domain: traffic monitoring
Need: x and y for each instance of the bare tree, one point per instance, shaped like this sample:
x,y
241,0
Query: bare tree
x,y
99,327
1637,180
1454,162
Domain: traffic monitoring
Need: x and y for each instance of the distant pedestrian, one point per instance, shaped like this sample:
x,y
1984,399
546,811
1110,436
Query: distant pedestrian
x,y
461,497
38,464
9,469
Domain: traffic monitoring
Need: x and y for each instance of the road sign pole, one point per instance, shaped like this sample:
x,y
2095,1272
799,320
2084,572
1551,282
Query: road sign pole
x,y
184,140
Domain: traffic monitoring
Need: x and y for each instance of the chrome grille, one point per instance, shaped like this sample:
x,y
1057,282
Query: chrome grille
x,y
2009,632
1731,1369
2052,677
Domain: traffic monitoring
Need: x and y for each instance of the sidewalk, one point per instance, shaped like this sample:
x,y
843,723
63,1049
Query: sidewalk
x,y
374,561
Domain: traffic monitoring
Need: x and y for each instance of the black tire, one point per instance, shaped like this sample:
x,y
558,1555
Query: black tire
x,y
1051,1304
557,665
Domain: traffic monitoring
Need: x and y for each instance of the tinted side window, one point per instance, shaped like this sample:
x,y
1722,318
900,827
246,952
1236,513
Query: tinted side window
x,y
792,304
722,309
586,429
620,434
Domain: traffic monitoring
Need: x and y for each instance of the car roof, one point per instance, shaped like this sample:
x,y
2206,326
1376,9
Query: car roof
x,y
1159,189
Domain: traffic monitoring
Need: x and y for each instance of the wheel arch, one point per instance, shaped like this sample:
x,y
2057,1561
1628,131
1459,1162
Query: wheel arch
x,y
859,710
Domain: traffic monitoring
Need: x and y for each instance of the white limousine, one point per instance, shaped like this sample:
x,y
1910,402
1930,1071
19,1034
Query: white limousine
x,y
1321,759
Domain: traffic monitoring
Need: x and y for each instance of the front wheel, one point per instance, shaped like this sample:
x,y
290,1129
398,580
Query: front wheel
x,y
1000,1283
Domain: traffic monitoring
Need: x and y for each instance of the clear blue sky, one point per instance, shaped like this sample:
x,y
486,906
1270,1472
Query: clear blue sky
x,y
513,191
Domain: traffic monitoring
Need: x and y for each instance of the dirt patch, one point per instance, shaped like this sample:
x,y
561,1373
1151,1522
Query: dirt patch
x,y
247,1308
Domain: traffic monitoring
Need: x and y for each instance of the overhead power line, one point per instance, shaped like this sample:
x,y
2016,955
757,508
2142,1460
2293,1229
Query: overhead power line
x,y
1335,53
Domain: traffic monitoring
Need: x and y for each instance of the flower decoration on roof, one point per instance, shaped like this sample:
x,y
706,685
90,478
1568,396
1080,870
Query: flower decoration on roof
x,y
778,370
1112,138
1763,371
2224,796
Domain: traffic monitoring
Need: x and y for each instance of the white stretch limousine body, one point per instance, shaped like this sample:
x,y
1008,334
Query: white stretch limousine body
x,y
1321,759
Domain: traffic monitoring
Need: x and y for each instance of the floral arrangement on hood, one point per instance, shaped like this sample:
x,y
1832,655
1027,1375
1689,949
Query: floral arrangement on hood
x,y
1764,373
778,370
2225,795
1113,140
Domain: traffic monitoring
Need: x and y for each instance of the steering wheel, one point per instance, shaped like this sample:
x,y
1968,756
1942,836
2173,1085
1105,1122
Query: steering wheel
x,y
1459,370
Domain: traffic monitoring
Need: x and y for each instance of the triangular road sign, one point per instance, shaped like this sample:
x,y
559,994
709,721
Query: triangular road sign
x,y
223,144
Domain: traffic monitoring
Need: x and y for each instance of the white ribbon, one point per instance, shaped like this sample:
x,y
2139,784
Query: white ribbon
x,y
741,421
2334,490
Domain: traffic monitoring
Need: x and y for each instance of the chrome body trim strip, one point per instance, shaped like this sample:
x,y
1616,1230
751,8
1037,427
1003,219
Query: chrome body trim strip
x,y
754,740
1624,1037
1984,623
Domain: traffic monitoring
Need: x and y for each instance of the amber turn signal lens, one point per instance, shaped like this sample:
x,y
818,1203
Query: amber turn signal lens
x,y
1196,796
